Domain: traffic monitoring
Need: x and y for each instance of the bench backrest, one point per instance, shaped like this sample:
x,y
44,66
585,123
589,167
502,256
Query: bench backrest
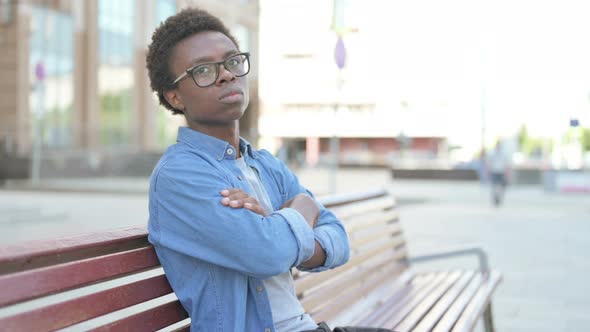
x,y
54,284
377,254
113,280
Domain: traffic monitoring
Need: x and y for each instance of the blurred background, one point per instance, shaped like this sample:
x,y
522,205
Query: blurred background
x,y
409,95
420,85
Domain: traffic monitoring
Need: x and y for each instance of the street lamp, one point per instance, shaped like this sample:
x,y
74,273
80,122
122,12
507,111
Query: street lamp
x,y
343,15
340,58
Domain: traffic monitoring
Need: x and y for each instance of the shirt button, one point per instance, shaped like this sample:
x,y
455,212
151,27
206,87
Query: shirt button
x,y
230,151
259,289
267,330
240,177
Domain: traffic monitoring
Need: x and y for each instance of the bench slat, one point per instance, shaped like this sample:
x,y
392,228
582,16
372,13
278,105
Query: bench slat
x,y
394,301
66,313
36,254
182,326
339,286
386,231
395,317
477,305
412,319
357,241
341,199
359,223
360,208
387,258
435,314
48,280
447,322
337,305
411,301
150,320
308,280
370,227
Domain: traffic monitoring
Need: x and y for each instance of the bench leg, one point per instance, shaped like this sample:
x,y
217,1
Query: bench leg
x,y
488,322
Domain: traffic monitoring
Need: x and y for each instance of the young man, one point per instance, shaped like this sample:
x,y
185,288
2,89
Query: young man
x,y
228,222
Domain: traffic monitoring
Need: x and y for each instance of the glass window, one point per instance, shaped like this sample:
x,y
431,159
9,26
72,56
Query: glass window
x,y
115,73
51,60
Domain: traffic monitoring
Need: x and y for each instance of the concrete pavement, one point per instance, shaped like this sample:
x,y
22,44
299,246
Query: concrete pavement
x,y
537,240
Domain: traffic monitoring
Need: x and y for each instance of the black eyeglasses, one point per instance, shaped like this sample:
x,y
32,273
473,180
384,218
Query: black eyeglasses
x,y
206,74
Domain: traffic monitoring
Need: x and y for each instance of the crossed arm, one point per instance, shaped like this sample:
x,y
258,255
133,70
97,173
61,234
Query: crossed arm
x,y
302,203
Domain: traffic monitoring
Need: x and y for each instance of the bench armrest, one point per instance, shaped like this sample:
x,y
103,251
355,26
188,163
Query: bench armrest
x,y
454,252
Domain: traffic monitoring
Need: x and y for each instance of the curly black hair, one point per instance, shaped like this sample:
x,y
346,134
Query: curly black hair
x,y
176,28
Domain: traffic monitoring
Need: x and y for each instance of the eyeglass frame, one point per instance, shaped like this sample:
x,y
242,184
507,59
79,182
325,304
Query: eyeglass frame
x,y
217,64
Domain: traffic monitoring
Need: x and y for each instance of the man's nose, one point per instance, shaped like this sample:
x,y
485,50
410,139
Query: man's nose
x,y
225,75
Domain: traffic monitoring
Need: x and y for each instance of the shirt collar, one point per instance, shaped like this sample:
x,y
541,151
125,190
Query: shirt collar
x,y
246,148
213,146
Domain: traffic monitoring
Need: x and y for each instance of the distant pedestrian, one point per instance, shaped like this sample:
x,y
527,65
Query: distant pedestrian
x,y
481,167
499,169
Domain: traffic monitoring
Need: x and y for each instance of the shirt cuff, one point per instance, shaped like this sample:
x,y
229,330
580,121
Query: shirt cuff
x,y
324,239
303,234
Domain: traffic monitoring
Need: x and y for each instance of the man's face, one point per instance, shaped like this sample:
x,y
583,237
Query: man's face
x,y
220,104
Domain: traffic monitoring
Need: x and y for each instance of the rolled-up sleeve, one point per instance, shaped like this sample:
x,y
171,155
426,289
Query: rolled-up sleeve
x,y
331,235
329,232
303,233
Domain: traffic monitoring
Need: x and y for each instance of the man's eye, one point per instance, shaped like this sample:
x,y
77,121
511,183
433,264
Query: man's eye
x,y
233,62
202,70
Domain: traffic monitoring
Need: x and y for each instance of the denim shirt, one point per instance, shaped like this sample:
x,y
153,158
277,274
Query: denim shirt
x,y
216,257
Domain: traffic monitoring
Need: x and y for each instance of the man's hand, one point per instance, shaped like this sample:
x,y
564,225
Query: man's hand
x,y
307,206
237,199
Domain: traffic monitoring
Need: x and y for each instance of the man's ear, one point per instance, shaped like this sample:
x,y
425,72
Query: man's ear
x,y
173,98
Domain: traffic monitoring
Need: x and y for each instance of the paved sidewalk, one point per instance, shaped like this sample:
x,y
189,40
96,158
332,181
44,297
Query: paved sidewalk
x,y
539,241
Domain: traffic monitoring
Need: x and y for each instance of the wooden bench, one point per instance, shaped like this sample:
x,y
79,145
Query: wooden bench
x,y
112,281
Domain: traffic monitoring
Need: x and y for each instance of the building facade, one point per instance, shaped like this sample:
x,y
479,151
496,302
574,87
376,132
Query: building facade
x,y
74,83
307,99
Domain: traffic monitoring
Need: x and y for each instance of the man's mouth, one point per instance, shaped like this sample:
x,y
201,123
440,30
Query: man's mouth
x,y
230,92
232,96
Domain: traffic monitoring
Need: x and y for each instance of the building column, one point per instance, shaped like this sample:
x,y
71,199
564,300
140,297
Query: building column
x,y
144,106
86,102
23,88
8,85
15,118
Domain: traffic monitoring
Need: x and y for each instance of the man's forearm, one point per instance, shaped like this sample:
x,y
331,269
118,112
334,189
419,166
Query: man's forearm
x,y
318,258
